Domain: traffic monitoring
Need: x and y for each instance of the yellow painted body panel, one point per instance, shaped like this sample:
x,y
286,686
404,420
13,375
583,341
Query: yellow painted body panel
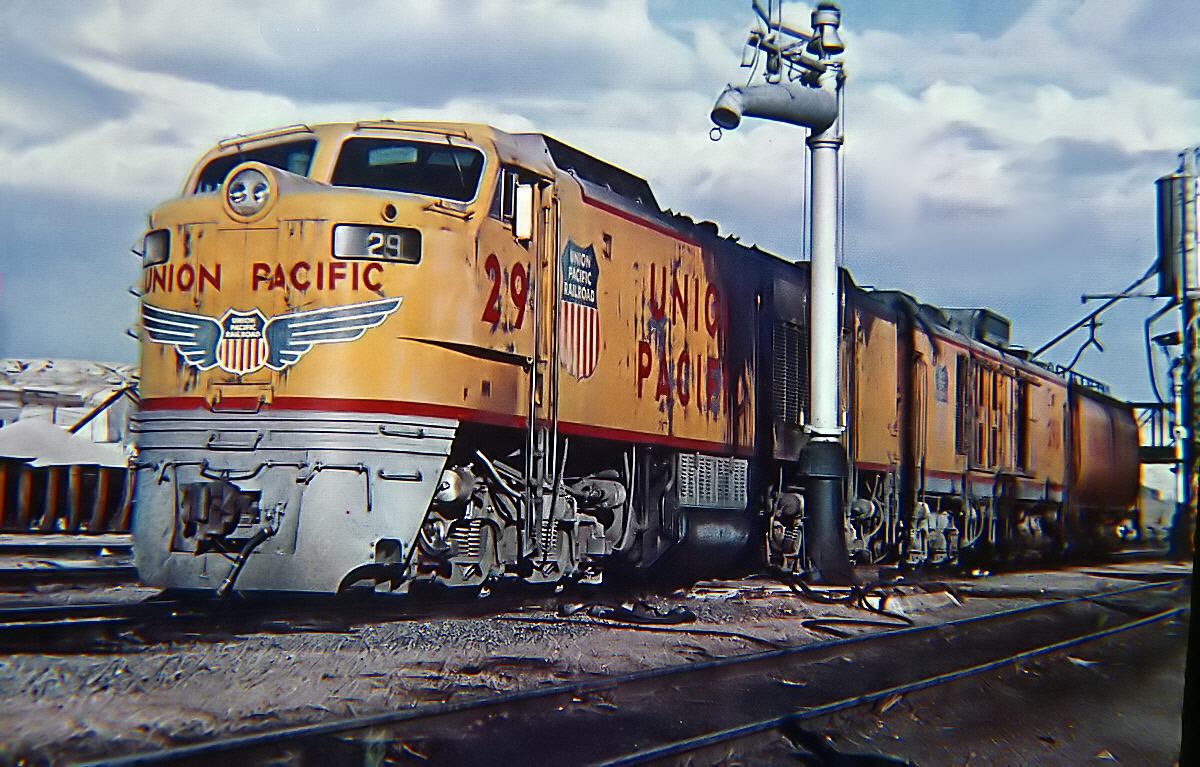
x,y
386,360
461,341
935,386
876,419
661,348
657,365
1046,427
282,263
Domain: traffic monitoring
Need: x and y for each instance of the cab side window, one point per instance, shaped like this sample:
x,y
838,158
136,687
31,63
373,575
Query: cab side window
x,y
504,197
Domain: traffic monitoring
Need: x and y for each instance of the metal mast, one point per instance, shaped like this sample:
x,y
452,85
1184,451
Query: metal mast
x,y
811,100
1179,278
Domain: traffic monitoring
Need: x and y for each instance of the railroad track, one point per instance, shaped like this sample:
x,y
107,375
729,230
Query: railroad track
x,y
58,573
28,558
83,628
104,626
102,545
667,712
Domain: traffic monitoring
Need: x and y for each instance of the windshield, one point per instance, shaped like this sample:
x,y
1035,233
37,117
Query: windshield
x,y
435,170
292,156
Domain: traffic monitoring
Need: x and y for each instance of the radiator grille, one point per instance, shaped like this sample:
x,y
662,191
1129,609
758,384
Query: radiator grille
x,y
711,482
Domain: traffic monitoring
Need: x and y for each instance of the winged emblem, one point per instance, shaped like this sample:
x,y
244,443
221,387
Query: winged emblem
x,y
242,342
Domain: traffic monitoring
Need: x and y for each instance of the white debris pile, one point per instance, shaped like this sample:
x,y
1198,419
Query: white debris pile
x,y
65,392
43,444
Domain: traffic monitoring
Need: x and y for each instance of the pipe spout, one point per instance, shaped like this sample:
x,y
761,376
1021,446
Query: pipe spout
x,y
814,108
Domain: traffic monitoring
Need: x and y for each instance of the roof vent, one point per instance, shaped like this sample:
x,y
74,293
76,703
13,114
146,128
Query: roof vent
x,y
600,173
983,325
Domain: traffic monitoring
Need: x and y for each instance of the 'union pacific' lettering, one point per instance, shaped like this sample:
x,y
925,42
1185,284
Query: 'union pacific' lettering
x,y
301,276
691,380
169,279
691,304
666,358
304,276
579,283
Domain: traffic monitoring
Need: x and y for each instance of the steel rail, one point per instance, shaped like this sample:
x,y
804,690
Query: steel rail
x,y
24,616
341,726
34,558
89,573
32,543
35,629
712,739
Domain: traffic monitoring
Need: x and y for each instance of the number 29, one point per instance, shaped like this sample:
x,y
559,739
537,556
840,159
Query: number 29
x,y
518,290
381,245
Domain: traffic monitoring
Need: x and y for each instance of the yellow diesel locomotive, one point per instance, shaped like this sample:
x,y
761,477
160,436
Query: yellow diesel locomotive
x,y
383,353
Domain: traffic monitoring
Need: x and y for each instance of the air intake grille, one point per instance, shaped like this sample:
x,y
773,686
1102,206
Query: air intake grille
x,y
711,482
789,373
468,538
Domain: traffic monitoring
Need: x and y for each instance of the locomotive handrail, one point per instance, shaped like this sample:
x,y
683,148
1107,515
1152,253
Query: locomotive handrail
x,y
240,139
404,476
304,478
207,470
417,433
259,401
1072,376
215,442
410,128
440,207
170,465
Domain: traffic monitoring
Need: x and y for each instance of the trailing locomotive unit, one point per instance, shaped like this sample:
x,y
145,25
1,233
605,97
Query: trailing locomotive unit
x,y
383,353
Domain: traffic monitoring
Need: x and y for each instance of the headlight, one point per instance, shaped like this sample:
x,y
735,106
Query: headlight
x,y
156,247
248,191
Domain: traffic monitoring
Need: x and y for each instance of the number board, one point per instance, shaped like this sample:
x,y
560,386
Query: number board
x,y
377,243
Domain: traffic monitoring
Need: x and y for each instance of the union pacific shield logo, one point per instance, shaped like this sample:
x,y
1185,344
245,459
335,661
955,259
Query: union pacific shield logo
x,y
578,315
242,342
242,348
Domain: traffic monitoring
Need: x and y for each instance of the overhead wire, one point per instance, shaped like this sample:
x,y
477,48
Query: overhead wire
x,y
1091,341
1149,273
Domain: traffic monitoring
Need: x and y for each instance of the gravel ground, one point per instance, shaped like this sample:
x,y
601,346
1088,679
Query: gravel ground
x,y
147,693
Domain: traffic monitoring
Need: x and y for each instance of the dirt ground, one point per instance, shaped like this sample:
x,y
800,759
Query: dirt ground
x,y
147,691
1113,702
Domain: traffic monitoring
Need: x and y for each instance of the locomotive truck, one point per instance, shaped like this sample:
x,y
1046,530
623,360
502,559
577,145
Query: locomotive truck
x,y
384,353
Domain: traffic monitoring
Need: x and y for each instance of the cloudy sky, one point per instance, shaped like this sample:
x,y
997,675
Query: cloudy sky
x,y
998,153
